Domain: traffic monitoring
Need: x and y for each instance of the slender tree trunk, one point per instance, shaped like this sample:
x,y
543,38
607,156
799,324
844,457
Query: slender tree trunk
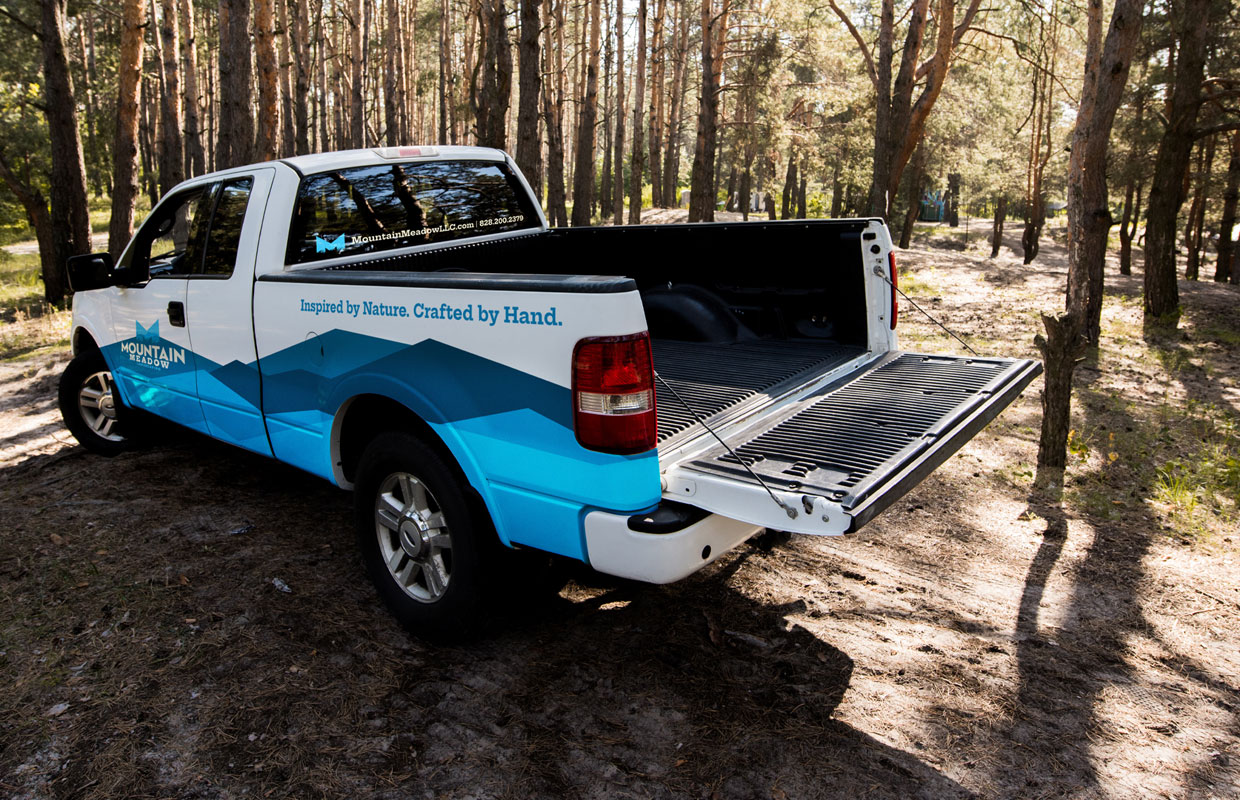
x,y
1197,215
1225,268
702,185
617,186
658,71
490,100
996,228
583,177
236,135
637,164
1089,221
195,161
802,199
444,61
68,180
268,140
553,113
302,124
837,191
35,206
1162,293
790,182
288,136
357,100
125,141
394,71
529,146
1125,232
918,165
671,155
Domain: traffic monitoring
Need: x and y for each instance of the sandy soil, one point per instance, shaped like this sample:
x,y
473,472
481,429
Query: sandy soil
x,y
969,642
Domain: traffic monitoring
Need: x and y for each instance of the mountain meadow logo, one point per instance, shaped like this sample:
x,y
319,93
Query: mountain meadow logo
x,y
148,349
322,245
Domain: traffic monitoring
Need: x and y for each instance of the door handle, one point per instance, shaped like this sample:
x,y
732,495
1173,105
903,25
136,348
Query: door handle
x,y
176,314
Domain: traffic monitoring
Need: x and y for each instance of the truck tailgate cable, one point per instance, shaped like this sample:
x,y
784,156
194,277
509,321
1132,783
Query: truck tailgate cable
x,y
879,272
789,510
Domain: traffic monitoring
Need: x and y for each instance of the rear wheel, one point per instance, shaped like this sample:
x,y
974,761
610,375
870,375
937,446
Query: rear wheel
x,y
421,542
90,405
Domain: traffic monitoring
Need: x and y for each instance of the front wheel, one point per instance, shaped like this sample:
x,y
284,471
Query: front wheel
x,y
420,541
90,405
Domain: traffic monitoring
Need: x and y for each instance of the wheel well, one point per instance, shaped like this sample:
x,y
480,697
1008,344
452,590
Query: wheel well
x,y
83,341
370,415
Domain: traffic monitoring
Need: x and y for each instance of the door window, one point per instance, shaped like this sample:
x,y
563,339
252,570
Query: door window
x,y
169,243
224,236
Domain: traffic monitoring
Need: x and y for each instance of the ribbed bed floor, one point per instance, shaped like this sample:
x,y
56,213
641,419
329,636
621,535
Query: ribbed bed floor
x,y
712,378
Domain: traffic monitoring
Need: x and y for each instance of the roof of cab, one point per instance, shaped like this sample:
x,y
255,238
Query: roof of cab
x,y
343,159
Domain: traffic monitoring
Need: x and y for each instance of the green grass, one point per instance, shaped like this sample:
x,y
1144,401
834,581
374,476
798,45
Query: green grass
x,y
27,323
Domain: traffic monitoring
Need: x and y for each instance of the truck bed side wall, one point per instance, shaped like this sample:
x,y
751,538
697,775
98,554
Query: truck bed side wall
x,y
488,370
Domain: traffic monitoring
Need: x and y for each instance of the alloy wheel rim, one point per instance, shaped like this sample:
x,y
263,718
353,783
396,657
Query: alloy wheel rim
x,y
97,405
414,541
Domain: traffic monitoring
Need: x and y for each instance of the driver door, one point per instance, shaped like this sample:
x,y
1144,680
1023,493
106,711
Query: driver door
x,y
151,358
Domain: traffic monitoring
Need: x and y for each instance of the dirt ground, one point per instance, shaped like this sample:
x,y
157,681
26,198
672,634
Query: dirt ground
x,y
970,642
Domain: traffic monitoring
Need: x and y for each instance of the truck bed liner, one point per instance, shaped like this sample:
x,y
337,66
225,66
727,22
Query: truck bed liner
x,y
714,377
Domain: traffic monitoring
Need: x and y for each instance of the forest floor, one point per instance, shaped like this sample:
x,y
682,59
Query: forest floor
x,y
976,640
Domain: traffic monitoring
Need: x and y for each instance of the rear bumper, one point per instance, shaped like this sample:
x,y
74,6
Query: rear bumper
x,y
613,548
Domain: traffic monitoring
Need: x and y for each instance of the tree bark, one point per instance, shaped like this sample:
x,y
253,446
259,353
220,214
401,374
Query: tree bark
x,y
288,137
617,186
125,141
583,171
71,236
394,71
529,147
1197,213
1127,224
490,99
996,228
701,183
658,72
35,206
267,143
918,165
675,117
236,135
1225,268
1089,222
302,124
195,160
357,100
790,183
637,163
1162,292
553,113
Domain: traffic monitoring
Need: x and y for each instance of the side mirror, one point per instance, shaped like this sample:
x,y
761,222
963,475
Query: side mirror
x,y
93,271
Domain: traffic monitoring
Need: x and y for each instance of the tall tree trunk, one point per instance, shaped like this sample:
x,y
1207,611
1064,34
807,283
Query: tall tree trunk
x,y
195,161
236,135
583,177
996,227
1225,267
445,56
288,135
125,141
637,164
266,146
617,186
302,124
1089,220
837,191
1197,214
918,165
68,181
790,182
1162,293
658,71
1126,227
394,71
680,76
357,59
553,113
529,147
490,99
802,199
701,184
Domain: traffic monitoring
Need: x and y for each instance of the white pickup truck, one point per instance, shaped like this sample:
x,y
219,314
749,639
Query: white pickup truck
x,y
402,322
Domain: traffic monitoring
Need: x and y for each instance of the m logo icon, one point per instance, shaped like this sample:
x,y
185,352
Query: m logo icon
x,y
322,245
147,335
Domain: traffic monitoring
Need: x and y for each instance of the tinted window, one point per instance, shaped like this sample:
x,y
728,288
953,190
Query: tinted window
x,y
386,206
170,240
224,236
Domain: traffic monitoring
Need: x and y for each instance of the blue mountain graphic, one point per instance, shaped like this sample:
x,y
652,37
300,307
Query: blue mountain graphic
x,y
147,335
322,245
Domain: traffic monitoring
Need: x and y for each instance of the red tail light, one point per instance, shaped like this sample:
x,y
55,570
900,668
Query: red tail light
x,y
895,283
613,394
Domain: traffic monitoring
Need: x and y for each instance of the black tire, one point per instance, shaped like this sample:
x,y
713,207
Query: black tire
x,y
103,428
427,550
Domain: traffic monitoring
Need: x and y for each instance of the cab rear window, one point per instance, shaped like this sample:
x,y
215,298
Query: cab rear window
x,y
384,207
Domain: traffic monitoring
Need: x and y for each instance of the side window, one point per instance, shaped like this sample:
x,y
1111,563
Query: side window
x,y
170,240
388,206
224,235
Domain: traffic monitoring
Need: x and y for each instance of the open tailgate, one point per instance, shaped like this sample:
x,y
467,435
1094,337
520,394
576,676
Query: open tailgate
x,y
841,455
